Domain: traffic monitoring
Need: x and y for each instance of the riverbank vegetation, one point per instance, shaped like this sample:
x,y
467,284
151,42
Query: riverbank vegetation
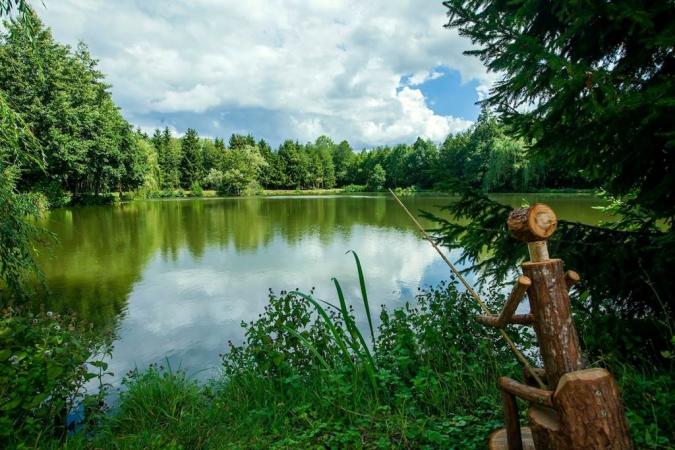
x,y
566,114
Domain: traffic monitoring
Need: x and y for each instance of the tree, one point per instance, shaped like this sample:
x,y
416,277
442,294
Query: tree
x,y
588,84
18,149
168,158
270,176
192,162
212,154
590,87
342,159
240,141
294,164
239,171
62,95
377,178
421,162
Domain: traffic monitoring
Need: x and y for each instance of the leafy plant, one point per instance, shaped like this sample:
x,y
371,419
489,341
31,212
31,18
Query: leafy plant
x,y
45,361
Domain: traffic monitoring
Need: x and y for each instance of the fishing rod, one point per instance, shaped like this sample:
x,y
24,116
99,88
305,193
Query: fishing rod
x,y
518,354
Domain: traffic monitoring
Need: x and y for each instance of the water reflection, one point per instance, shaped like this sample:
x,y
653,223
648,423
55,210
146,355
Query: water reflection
x,y
176,278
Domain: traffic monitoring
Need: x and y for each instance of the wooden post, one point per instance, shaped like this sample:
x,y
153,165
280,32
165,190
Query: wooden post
x,y
549,301
514,439
585,409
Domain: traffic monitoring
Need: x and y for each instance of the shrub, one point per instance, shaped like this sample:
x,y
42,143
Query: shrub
x,y
56,196
196,190
354,188
42,372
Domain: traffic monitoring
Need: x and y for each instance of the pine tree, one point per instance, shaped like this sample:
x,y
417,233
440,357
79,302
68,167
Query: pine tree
x,y
589,84
192,162
590,87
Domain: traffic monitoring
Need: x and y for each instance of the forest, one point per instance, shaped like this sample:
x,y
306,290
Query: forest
x,y
585,100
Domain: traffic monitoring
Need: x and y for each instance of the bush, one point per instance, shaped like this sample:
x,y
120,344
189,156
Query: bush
x,y
42,372
354,188
56,196
196,190
89,199
289,384
410,190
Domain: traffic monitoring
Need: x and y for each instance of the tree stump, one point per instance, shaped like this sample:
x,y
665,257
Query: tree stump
x,y
591,411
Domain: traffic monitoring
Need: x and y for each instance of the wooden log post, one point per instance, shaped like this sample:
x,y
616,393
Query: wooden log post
x,y
585,409
549,301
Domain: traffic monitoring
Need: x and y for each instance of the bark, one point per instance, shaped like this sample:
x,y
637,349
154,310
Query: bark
x,y
550,306
591,410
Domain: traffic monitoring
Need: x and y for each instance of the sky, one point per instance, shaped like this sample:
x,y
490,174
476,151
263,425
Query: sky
x,y
373,73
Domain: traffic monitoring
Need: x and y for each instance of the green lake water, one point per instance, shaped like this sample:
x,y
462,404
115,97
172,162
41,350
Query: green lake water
x,y
175,278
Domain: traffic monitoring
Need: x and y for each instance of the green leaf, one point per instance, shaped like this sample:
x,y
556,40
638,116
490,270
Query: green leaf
x,y
54,371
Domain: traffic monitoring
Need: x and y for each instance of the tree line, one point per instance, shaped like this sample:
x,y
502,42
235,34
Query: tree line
x,y
483,156
86,147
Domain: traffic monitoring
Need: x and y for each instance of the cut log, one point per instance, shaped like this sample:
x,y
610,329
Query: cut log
x,y
591,411
545,428
529,393
498,440
535,223
538,251
550,306
571,278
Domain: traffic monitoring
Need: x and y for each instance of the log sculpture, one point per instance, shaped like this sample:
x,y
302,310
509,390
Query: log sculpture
x,y
582,408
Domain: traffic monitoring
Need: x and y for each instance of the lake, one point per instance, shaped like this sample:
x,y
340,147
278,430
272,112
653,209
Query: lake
x,y
174,279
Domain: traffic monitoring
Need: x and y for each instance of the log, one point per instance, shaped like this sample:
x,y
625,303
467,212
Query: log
x,y
591,410
535,223
545,428
517,319
498,440
571,278
550,306
529,393
529,379
522,284
538,251
511,422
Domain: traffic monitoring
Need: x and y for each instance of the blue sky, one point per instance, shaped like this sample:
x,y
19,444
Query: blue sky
x,y
373,73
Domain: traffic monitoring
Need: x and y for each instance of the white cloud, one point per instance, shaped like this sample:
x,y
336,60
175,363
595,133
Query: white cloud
x,y
319,66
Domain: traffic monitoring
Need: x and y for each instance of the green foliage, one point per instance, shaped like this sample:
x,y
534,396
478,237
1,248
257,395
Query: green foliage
x,y
196,190
42,374
17,233
303,378
376,179
240,168
355,188
601,111
192,162
87,145
589,84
